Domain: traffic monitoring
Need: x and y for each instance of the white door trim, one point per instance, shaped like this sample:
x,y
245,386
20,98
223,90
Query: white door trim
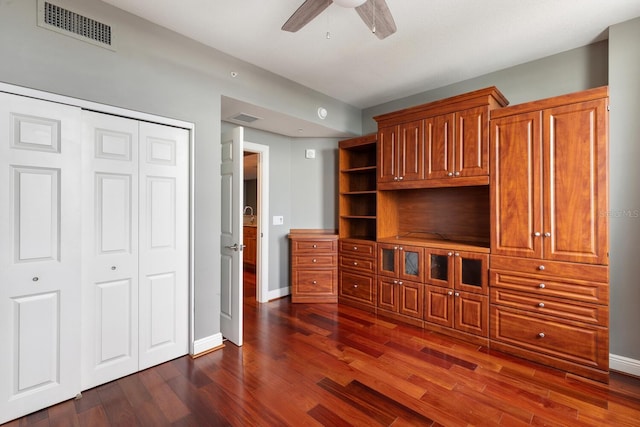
x,y
262,255
109,109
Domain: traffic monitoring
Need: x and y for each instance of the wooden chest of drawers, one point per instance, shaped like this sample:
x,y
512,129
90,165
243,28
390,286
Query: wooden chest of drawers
x,y
314,266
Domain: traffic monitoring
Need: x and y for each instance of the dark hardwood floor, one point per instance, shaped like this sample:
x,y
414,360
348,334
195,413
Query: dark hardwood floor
x,y
336,366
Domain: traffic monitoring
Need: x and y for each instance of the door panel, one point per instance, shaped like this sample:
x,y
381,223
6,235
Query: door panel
x,y
110,248
411,152
439,142
575,165
516,192
164,244
472,142
388,154
39,254
231,236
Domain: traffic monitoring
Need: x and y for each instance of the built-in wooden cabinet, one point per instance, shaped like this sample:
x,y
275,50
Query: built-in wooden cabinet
x,y
549,270
314,266
430,144
549,179
491,225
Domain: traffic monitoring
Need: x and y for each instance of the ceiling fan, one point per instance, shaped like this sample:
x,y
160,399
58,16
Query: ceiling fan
x,y
375,14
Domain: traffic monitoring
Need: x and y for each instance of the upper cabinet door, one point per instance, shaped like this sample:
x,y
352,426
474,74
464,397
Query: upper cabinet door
x,y
516,194
411,149
388,154
472,142
439,134
575,177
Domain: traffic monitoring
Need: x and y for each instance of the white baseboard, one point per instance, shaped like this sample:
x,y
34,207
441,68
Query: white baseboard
x,y
279,293
206,344
624,364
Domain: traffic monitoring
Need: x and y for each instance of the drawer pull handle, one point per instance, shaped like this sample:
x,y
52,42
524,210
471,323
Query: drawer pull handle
x,y
400,283
457,254
315,282
355,263
541,267
355,248
315,260
450,293
541,304
457,294
35,279
541,335
547,234
537,234
395,282
315,246
355,286
542,286
449,253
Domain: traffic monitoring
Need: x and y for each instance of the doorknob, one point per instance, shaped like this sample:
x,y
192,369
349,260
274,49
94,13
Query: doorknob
x,y
235,247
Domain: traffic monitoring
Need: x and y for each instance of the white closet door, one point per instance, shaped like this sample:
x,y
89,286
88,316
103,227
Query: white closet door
x,y
39,254
164,243
110,248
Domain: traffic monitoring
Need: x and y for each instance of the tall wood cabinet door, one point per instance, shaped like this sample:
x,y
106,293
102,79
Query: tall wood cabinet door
x,y
388,154
411,151
411,263
438,307
110,248
516,192
575,177
472,142
439,135
40,254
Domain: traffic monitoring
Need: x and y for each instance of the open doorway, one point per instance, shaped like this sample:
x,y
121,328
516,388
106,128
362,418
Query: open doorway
x,y
255,221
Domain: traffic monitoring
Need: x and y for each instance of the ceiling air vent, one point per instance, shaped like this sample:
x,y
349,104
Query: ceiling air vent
x,y
245,118
72,24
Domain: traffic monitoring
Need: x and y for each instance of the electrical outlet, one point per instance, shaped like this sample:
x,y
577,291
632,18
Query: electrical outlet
x,y
278,220
309,153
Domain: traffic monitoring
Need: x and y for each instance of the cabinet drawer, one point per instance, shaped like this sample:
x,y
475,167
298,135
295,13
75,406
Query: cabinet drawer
x,y
314,246
315,282
366,265
315,261
541,304
572,341
360,247
357,286
544,268
545,286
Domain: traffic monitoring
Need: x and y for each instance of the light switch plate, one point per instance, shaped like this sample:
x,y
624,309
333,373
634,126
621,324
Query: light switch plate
x,y
278,220
309,153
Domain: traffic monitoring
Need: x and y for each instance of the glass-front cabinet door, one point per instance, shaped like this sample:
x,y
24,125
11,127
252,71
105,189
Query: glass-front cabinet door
x,y
388,259
439,269
411,263
472,272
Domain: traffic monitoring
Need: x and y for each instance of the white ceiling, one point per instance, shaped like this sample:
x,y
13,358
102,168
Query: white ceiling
x,y
438,42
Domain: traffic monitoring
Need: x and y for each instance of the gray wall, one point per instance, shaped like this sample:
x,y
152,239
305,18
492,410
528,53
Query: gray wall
x,y
624,222
567,72
159,72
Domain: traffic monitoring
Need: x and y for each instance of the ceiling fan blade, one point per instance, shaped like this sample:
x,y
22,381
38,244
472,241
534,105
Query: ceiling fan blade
x,y
305,14
384,23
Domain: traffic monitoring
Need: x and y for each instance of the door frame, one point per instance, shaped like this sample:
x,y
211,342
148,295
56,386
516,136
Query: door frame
x,y
137,115
262,253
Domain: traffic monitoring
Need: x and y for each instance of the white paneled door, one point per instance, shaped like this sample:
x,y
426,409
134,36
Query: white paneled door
x,y
110,248
231,236
164,244
135,240
39,254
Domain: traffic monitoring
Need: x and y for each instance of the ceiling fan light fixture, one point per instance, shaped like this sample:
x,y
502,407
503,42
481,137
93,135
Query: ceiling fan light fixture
x,y
349,3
